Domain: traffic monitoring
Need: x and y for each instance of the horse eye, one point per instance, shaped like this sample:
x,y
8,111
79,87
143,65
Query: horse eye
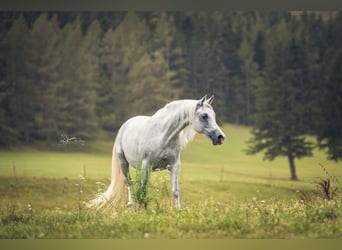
x,y
204,116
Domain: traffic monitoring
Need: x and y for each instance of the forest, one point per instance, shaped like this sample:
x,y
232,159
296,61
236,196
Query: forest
x,y
79,73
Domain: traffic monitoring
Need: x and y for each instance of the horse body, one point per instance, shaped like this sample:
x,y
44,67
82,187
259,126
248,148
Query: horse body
x,y
155,142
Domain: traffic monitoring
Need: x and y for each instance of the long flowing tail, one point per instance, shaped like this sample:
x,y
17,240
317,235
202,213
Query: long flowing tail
x,y
112,194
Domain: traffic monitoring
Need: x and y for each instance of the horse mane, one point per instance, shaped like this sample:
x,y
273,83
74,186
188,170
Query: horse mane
x,y
177,113
186,135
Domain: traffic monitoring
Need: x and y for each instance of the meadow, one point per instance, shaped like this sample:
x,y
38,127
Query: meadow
x,y
224,194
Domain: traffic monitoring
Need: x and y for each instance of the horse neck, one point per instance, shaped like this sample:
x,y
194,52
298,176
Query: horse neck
x,y
178,117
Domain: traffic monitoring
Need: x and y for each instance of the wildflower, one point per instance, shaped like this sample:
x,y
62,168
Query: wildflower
x,y
40,235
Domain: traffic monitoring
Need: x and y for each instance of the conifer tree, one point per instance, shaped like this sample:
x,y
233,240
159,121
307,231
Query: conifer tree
x,y
89,77
329,101
19,93
208,71
8,134
250,76
109,68
164,35
43,66
278,130
328,104
151,81
79,79
120,50
234,92
149,84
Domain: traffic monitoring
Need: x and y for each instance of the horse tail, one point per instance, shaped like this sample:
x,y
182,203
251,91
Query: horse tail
x,y
112,195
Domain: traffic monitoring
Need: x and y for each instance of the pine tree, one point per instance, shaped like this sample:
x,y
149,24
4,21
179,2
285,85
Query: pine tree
x,y
164,35
78,80
149,84
329,101
329,92
19,94
89,78
249,68
199,54
120,50
43,64
151,80
7,133
278,130
107,101
209,74
180,62
234,95
218,70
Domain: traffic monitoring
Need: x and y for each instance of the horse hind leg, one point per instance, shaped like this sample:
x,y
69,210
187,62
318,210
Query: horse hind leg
x,y
129,186
128,180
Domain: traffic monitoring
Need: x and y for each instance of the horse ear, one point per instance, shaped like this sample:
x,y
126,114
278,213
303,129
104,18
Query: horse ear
x,y
211,99
201,101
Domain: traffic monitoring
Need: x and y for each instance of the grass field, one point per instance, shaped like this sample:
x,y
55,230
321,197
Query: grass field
x,y
224,194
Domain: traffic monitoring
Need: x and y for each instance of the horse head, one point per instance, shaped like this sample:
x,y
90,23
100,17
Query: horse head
x,y
205,122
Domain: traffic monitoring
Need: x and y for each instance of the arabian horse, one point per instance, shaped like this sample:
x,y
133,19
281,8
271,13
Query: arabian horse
x,y
154,143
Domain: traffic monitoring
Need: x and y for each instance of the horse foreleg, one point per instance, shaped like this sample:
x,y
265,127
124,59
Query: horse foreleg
x,y
174,182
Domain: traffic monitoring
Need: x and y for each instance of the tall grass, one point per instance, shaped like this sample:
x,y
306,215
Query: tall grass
x,y
209,219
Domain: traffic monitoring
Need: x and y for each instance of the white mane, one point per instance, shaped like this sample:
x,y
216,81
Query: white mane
x,y
176,114
186,136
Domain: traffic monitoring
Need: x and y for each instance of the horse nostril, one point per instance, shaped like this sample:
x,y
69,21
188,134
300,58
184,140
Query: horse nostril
x,y
220,137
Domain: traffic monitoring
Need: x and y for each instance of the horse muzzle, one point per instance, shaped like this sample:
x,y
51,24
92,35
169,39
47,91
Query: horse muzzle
x,y
217,137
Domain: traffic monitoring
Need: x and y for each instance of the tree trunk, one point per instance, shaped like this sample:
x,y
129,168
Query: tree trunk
x,y
292,168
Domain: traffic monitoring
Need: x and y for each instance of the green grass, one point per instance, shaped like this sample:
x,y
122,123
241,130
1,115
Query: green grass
x,y
28,210
224,194
52,208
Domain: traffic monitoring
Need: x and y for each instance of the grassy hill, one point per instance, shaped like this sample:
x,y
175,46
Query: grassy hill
x,y
199,161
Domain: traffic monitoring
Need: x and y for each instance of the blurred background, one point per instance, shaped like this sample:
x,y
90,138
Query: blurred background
x,y
84,73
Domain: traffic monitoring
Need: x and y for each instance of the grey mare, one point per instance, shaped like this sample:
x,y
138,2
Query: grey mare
x,y
154,143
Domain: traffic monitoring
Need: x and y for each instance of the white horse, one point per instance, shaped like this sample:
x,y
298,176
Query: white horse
x,y
154,143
